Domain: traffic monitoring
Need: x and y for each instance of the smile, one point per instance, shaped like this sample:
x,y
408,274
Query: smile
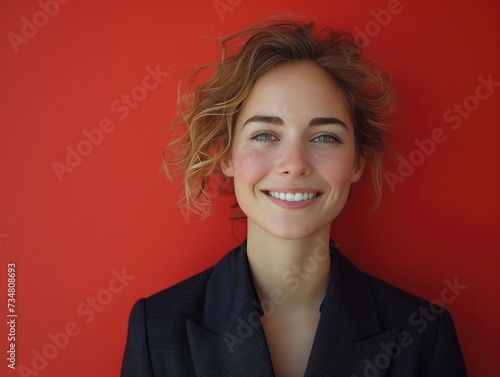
x,y
292,197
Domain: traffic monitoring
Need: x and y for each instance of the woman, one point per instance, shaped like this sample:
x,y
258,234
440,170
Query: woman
x,y
292,119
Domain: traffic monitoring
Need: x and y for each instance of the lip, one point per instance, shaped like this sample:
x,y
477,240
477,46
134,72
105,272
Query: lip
x,y
292,190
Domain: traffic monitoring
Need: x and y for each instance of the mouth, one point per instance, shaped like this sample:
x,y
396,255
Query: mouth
x,y
292,197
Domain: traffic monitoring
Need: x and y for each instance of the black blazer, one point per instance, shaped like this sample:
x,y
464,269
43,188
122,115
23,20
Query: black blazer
x,y
208,325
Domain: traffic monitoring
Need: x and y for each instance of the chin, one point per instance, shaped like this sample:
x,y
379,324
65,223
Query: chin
x,y
295,232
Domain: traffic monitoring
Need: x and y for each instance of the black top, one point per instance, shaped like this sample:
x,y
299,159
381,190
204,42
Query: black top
x,y
208,325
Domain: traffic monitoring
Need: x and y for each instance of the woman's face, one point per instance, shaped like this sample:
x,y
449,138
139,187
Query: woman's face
x,y
293,156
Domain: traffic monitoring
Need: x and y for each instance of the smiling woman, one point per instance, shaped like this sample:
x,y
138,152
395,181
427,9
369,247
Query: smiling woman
x,y
310,148
290,120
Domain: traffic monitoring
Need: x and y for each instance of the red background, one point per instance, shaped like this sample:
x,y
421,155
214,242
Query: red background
x,y
112,212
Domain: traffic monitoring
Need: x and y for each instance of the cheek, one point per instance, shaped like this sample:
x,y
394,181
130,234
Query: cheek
x,y
338,170
250,166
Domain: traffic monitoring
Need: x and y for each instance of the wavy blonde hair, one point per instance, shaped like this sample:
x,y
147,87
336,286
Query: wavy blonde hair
x,y
208,111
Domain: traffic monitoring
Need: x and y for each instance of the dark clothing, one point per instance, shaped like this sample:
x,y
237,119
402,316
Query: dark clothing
x,y
208,325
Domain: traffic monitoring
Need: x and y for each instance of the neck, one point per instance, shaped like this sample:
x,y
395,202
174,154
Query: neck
x,y
289,274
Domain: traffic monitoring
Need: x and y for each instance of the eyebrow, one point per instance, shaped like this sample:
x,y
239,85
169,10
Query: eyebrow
x,y
277,121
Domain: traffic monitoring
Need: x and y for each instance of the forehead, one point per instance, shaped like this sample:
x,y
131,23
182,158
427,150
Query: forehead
x,y
302,90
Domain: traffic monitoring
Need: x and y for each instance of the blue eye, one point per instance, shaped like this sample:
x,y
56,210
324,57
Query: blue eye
x,y
264,136
327,138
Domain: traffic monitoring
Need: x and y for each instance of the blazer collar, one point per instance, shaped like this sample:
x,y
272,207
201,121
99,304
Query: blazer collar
x,y
228,338
230,291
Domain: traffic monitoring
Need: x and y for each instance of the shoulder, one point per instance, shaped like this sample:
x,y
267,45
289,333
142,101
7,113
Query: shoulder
x,y
182,300
189,298
425,328
156,338
395,306
157,324
394,303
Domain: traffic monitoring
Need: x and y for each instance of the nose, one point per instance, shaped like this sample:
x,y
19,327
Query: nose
x,y
294,160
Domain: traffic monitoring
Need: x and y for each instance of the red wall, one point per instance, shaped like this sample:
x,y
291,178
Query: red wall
x,y
106,214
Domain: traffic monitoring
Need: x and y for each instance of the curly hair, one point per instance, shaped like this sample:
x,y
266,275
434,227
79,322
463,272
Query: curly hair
x,y
209,110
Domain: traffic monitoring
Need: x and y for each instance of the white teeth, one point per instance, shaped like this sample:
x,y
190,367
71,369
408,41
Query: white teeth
x,y
290,197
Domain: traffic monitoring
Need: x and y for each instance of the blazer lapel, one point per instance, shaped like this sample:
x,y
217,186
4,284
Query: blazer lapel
x,y
349,337
228,339
334,353
241,352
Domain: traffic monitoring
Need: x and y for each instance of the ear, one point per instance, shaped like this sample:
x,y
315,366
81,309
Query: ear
x,y
359,167
227,166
